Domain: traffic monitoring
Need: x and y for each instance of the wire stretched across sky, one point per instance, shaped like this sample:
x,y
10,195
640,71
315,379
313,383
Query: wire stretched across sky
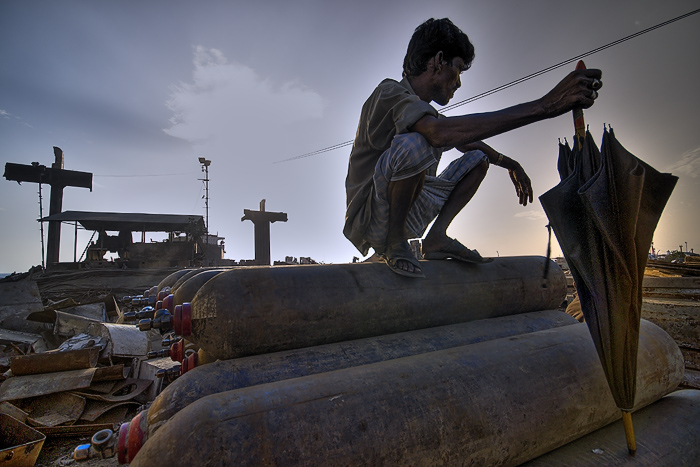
x,y
515,82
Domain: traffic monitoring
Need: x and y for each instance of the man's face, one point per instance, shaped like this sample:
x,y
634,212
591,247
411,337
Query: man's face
x,y
448,80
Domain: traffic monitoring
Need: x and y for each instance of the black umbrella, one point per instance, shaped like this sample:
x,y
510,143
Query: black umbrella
x,y
604,213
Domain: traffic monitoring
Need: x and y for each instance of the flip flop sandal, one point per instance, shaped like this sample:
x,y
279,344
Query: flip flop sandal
x,y
459,252
398,252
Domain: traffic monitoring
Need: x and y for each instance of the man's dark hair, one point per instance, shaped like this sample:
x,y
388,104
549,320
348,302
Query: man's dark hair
x,y
431,37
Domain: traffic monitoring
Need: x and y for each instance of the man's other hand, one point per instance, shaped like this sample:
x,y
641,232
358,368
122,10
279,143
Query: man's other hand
x,y
523,188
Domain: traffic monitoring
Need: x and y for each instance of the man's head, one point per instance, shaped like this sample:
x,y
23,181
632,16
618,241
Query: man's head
x,y
431,37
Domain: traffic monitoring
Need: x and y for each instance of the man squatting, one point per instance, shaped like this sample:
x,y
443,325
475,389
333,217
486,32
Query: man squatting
x,y
393,190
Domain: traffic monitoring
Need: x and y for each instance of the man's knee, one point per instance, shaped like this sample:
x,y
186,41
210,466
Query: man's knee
x,y
482,169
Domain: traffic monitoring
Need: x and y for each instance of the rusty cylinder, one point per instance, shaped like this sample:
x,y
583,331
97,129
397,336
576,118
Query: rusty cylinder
x,y
170,279
186,290
192,273
499,402
226,375
256,310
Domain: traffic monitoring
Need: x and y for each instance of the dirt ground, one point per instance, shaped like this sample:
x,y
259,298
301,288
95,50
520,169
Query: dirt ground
x,y
58,452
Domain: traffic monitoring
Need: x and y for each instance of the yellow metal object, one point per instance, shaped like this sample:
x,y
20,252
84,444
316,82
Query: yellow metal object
x,y
629,432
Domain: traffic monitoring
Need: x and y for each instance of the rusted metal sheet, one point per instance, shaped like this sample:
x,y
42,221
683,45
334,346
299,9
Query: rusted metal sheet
x,y
123,340
30,341
114,415
19,444
95,409
74,430
68,325
94,311
124,391
110,373
102,387
52,361
18,299
23,387
13,411
148,370
55,409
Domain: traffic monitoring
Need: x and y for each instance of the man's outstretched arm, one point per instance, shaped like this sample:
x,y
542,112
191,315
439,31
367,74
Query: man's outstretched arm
x,y
577,89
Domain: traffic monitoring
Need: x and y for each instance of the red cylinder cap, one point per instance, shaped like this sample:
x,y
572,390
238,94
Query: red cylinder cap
x,y
177,320
177,351
189,363
186,319
168,302
134,439
121,443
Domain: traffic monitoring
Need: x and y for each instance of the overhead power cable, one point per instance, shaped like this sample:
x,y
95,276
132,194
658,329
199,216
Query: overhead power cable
x,y
517,81
144,175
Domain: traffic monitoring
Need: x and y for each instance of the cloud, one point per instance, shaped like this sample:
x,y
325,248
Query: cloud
x,y
230,101
689,164
4,113
531,215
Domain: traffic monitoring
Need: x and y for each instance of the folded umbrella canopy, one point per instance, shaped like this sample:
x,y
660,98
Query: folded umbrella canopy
x,y
604,213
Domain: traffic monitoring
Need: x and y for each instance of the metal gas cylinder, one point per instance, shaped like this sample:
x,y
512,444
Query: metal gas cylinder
x,y
190,274
255,310
186,290
499,402
170,279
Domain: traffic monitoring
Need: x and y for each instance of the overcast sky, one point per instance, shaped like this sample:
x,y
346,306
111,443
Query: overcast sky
x,y
135,92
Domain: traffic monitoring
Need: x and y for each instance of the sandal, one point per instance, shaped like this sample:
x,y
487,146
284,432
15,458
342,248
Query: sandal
x,y
459,252
400,251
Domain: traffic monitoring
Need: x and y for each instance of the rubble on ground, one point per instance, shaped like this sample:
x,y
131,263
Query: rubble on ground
x,y
70,368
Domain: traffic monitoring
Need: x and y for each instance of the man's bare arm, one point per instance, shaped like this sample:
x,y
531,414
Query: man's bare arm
x,y
578,89
520,180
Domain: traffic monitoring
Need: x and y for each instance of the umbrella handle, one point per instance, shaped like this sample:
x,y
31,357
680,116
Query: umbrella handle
x,y
579,123
629,432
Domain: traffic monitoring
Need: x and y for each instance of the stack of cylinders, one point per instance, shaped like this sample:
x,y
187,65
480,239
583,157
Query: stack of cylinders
x,y
256,310
226,375
499,402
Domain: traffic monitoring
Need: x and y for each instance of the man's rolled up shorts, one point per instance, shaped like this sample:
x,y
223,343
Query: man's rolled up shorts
x,y
409,155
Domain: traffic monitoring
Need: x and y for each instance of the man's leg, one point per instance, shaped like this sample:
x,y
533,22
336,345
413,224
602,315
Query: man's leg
x,y
437,238
401,196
